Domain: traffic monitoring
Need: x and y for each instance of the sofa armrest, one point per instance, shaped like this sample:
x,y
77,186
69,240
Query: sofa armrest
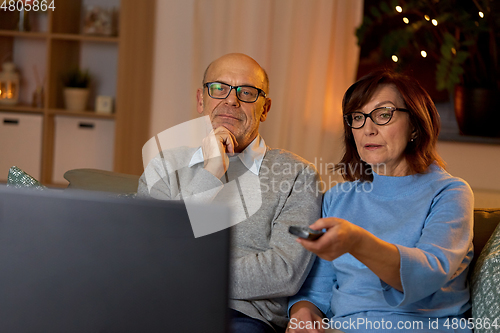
x,y
100,180
485,222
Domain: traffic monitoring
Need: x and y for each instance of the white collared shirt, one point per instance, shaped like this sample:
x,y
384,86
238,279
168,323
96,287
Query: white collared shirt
x,y
251,157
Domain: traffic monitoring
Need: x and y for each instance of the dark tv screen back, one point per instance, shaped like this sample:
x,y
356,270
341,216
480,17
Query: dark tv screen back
x,y
85,262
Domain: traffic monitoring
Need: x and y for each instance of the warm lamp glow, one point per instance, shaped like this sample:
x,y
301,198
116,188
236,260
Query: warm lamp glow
x,y
10,91
423,53
9,84
435,22
399,9
405,20
481,14
395,58
427,17
453,50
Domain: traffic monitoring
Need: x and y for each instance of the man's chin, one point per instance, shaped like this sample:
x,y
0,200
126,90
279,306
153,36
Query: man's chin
x,y
227,124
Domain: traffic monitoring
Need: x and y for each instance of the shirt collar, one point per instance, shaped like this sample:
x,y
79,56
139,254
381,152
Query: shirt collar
x,y
251,157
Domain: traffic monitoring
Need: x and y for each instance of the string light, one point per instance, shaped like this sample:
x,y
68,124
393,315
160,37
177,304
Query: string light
x,y
405,20
427,18
453,50
399,9
481,14
395,58
435,22
423,53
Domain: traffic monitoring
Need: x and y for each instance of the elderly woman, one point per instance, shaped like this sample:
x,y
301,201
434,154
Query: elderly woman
x,y
398,238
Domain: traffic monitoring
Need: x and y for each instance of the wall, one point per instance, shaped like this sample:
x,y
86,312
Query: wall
x,y
174,29
478,164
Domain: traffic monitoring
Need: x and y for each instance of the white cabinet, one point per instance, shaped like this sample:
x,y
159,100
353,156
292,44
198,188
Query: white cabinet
x,y
82,143
20,143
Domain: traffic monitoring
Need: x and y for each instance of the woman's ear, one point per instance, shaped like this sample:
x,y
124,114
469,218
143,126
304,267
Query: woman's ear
x,y
413,135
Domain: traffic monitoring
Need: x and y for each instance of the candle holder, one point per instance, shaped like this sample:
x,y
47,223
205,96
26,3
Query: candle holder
x,y
9,84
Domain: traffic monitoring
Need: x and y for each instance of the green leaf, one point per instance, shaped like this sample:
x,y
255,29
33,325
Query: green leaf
x,y
394,41
446,52
468,42
462,56
449,39
394,3
375,12
445,79
384,7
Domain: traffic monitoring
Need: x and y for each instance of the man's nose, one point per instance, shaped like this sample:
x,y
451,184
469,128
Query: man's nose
x,y
232,99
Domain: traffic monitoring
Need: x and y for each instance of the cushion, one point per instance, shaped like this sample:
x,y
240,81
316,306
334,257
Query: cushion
x,y
19,178
485,281
101,180
485,222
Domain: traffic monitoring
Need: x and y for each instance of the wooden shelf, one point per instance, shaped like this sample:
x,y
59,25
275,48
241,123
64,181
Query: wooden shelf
x,y
85,38
23,34
21,108
62,47
85,114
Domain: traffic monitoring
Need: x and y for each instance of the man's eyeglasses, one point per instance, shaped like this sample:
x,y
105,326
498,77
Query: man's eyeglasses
x,y
380,116
247,94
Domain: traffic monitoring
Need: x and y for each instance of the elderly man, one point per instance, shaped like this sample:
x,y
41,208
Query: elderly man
x,y
267,265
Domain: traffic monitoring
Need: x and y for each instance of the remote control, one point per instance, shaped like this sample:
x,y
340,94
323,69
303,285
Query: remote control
x,y
305,232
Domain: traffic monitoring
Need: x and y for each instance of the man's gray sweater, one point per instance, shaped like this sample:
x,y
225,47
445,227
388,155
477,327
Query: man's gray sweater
x,y
267,264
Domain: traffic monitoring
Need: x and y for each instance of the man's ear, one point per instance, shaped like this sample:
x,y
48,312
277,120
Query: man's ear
x,y
199,100
265,108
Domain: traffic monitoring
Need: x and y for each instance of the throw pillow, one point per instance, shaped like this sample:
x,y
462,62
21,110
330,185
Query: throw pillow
x,y
484,285
19,178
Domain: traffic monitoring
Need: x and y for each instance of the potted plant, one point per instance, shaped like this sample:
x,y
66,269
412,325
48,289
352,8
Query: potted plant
x,y
76,89
463,37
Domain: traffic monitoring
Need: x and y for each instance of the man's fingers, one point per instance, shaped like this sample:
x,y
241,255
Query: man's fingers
x,y
228,143
227,138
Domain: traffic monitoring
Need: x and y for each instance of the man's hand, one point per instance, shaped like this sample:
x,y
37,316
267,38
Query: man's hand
x,y
305,317
215,148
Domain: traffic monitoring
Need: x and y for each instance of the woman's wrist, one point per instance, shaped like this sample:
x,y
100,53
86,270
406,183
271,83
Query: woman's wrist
x,y
305,305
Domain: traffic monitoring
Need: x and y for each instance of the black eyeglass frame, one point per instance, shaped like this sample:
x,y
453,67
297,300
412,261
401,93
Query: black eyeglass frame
x,y
369,115
260,91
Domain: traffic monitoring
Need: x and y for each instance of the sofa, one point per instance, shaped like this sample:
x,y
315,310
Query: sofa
x,y
484,273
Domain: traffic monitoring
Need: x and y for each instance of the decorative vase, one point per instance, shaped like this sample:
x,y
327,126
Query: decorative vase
x,y
476,111
75,99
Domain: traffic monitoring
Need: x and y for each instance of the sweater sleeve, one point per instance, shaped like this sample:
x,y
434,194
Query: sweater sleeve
x,y
317,288
159,182
441,254
280,270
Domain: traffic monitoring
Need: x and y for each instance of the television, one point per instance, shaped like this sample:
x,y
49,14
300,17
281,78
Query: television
x,y
89,262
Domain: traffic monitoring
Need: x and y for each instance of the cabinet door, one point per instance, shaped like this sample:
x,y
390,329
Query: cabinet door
x,y
82,143
20,143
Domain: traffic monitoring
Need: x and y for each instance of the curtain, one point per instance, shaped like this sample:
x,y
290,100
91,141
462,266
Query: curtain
x,y
308,49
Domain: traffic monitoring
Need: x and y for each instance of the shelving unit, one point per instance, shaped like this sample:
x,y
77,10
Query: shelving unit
x,y
122,65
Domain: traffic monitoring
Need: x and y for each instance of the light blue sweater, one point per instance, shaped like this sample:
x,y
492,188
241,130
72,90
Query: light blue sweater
x,y
429,218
